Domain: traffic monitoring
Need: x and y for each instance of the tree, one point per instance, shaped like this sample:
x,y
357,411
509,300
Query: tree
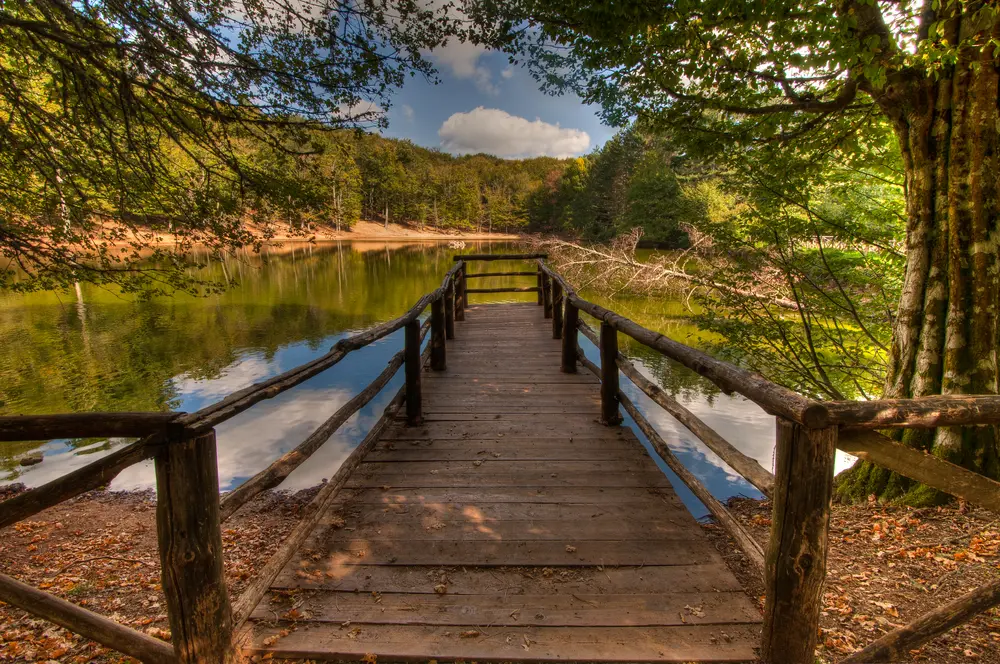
x,y
768,84
112,110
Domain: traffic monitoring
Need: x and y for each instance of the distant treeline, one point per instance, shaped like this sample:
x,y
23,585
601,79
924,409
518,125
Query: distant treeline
x,y
353,175
632,181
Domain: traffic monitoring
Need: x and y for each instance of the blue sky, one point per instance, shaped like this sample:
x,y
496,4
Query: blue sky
x,y
483,104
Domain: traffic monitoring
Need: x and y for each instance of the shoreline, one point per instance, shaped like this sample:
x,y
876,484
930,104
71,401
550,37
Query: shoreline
x,y
368,231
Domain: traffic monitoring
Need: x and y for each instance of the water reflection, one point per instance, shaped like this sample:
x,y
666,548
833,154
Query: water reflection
x,y
90,349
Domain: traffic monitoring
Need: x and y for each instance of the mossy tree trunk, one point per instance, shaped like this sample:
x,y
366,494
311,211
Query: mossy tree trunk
x,y
947,331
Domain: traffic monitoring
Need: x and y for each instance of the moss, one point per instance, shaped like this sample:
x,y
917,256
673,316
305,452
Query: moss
x,y
921,495
864,479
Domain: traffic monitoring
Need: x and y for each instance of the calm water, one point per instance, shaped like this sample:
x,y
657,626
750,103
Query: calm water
x,y
90,349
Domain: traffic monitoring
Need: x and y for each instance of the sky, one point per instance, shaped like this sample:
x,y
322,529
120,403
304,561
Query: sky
x,y
483,104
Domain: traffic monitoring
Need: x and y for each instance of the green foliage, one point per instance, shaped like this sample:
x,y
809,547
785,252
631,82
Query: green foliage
x,y
630,182
126,120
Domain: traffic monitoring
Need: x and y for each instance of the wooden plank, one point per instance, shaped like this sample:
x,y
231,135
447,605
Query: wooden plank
x,y
480,389
593,478
538,378
595,495
701,577
433,528
356,515
549,428
513,399
501,466
514,552
542,610
508,414
599,439
526,453
702,643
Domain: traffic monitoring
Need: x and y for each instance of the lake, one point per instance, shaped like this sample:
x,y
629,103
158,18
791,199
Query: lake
x,y
92,349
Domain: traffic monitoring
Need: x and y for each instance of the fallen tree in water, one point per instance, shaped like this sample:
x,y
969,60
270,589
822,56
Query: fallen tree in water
x,y
617,267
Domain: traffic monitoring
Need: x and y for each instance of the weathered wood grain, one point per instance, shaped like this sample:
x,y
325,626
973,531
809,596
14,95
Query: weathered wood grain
x,y
796,554
512,506
694,643
86,623
190,545
899,643
304,574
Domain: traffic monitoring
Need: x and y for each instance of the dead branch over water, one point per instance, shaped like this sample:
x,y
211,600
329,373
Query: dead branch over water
x,y
616,266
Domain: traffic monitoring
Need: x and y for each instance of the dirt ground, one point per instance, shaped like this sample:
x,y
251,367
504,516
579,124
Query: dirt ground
x,y
887,566
99,551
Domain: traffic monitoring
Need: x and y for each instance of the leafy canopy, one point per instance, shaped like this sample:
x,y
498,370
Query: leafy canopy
x,y
121,119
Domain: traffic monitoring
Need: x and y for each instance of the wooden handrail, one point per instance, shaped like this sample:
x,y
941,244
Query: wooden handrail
x,y
897,644
86,623
92,476
512,289
921,467
472,275
927,412
105,469
498,257
747,467
772,397
246,602
930,412
84,425
723,516
282,467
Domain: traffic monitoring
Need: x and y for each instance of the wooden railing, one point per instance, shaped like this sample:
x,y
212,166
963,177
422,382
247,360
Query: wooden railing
x,y
189,510
808,434
465,290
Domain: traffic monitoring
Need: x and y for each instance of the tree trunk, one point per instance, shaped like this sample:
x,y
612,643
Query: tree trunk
x,y
947,332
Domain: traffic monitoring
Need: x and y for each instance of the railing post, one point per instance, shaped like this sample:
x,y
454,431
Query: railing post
x,y
438,360
541,288
569,337
547,295
460,294
190,544
609,376
411,364
796,555
449,310
557,311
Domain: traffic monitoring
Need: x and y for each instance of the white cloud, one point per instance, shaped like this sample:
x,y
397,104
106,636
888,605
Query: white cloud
x,y
407,112
507,72
242,373
462,58
497,132
364,112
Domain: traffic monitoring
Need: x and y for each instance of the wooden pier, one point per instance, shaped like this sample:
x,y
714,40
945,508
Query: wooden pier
x,y
510,525
498,510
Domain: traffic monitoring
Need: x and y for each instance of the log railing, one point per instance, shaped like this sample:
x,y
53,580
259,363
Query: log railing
x,y
189,511
467,258
808,433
